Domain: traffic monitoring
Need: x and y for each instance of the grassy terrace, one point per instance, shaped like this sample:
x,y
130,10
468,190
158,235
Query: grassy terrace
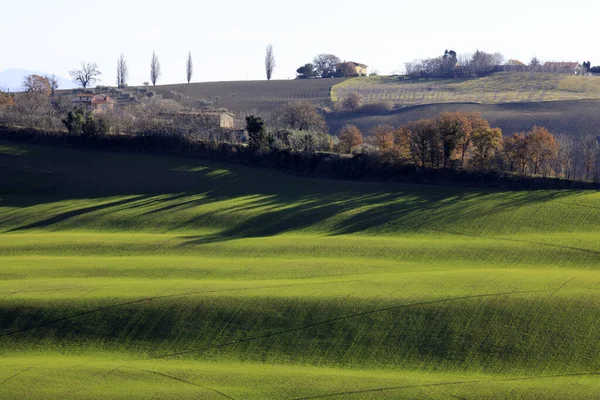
x,y
495,89
132,276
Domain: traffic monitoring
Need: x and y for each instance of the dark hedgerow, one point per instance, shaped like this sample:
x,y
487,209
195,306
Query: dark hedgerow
x,y
360,167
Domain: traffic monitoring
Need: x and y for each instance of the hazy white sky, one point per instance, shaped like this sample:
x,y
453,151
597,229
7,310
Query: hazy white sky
x,y
228,38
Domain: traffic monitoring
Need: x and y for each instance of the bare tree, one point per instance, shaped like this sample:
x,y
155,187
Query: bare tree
x,y
189,68
534,64
269,62
325,64
54,83
302,116
122,72
353,101
87,75
155,72
36,84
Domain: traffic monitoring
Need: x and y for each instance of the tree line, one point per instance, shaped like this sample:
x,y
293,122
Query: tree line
x,y
326,66
89,73
453,141
481,63
466,142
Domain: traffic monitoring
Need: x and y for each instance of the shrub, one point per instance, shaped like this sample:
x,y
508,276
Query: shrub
x,y
302,116
353,101
74,122
304,142
384,106
257,132
94,127
350,137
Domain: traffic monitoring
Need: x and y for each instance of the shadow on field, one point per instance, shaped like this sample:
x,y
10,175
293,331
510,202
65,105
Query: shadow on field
x,y
271,203
70,214
347,213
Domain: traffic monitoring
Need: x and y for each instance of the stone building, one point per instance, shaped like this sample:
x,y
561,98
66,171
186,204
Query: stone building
x,y
97,103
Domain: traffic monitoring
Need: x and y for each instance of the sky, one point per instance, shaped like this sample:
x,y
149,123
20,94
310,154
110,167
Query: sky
x,y
228,38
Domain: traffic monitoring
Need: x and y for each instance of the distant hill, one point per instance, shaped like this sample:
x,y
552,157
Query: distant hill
x,y
12,79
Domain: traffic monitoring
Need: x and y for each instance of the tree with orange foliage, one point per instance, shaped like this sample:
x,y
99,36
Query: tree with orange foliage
x,y
383,136
37,84
486,144
511,150
401,144
541,146
516,151
393,144
350,137
454,130
6,99
476,123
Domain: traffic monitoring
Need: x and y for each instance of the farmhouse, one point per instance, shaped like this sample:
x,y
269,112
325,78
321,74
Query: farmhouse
x,y
350,68
563,68
97,103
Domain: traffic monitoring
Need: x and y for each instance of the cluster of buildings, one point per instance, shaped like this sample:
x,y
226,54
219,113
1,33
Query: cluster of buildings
x,y
96,103
100,103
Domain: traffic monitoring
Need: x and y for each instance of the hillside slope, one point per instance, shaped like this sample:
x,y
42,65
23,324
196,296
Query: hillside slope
x,y
133,276
576,117
498,88
245,96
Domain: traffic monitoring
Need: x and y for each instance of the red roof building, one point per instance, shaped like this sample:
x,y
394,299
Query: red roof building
x,y
96,103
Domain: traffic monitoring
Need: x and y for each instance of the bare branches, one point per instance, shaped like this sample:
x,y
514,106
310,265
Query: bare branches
x,y
36,84
54,83
155,71
269,62
189,68
87,75
122,72
325,64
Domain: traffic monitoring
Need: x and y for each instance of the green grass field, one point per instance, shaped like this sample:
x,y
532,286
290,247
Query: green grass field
x,y
136,276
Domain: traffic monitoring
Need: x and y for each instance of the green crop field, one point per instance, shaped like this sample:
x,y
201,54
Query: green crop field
x,y
137,276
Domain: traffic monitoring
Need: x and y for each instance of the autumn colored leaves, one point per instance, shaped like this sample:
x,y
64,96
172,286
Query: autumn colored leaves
x,y
458,140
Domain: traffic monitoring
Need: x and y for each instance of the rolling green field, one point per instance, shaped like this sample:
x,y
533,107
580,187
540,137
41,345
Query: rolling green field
x,y
137,276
